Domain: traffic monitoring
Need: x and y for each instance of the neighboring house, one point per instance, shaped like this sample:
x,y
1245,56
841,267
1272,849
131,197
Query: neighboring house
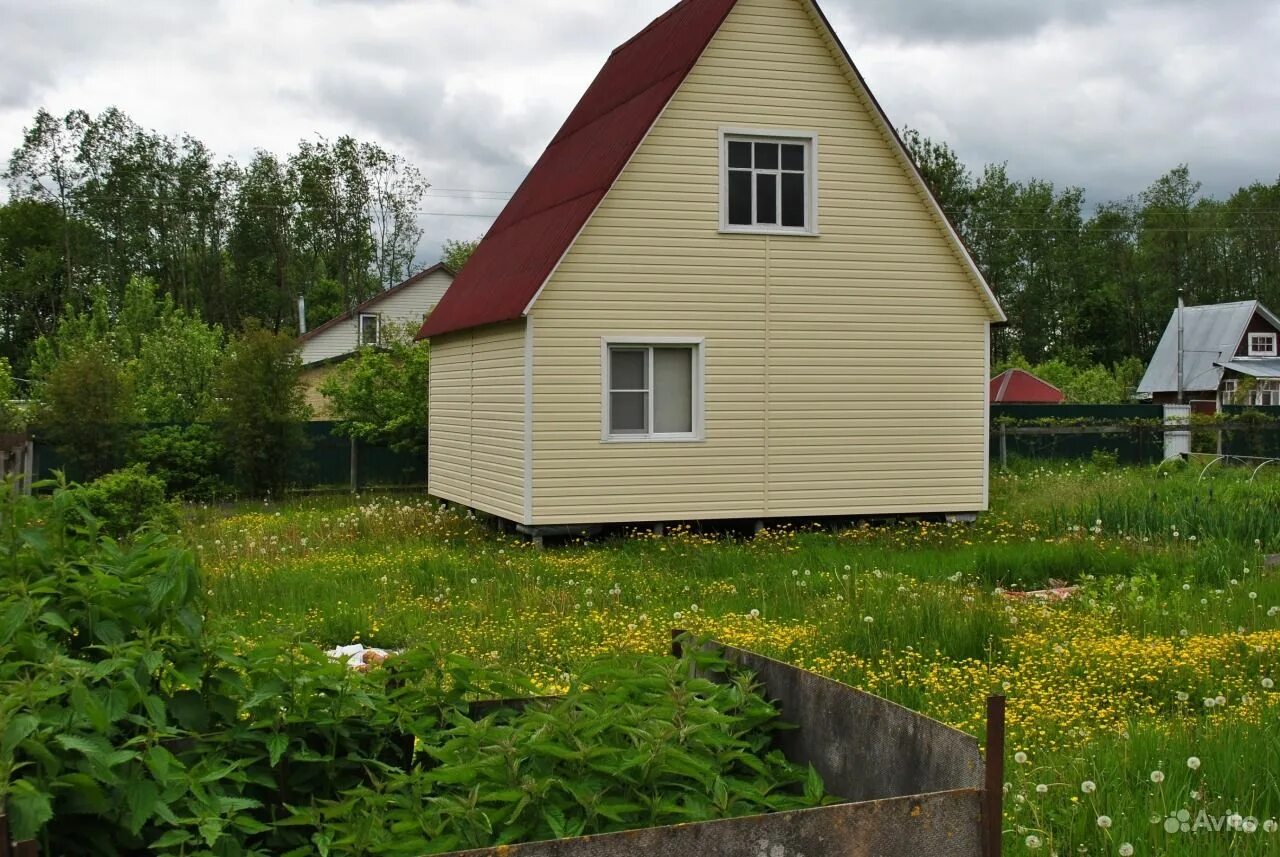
x,y
1020,387
1229,356
723,292
405,304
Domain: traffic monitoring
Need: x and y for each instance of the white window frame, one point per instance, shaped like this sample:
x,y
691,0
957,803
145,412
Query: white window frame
x,y
1268,352
1230,386
809,139
377,329
1269,390
699,346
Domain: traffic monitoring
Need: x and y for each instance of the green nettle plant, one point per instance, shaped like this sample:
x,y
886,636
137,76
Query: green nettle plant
x,y
639,742
126,729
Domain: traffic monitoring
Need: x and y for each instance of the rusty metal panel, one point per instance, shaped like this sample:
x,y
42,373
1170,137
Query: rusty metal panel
x,y
863,747
913,785
945,824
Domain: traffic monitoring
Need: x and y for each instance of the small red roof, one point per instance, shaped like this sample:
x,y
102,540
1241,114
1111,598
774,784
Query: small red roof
x,y
1019,387
551,206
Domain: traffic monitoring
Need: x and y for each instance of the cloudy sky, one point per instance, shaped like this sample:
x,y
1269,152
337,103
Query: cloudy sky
x,y
1105,94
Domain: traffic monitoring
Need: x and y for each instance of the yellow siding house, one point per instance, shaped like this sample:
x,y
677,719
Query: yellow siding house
x,y
723,292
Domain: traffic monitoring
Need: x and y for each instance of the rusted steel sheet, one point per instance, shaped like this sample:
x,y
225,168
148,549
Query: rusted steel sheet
x,y
863,747
936,825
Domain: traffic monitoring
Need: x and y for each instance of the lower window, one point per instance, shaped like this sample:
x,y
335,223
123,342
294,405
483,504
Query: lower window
x,y
652,391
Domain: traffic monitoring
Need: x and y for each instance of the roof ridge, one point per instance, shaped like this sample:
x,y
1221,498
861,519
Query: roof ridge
x,y
652,24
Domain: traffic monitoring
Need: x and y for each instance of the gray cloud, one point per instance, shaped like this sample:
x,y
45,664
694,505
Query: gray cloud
x,y
999,20
1104,94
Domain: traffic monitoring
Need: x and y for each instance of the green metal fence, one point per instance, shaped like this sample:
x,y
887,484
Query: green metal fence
x,y
324,462
1130,444
1250,436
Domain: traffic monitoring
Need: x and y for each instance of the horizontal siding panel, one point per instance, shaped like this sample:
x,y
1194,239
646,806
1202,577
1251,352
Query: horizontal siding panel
x,y
845,373
477,412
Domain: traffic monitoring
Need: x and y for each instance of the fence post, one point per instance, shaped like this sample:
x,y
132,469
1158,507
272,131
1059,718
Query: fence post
x,y
993,787
28,466
1004,447
355,467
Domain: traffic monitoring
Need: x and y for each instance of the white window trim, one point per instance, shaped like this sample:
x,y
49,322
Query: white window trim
x,y
699,345
1268,353
377,333
765,135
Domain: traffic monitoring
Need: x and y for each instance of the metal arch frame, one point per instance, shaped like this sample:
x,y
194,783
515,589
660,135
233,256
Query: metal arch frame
x,y
1210,464
1262,465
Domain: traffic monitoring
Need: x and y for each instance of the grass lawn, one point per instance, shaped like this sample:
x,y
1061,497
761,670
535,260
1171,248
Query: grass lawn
x,y
1149,692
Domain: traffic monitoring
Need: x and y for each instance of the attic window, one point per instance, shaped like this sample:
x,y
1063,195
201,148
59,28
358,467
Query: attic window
x,y
768,182
1262,345
369,328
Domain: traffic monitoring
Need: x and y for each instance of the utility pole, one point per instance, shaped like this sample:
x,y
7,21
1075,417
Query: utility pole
x,y
1181,310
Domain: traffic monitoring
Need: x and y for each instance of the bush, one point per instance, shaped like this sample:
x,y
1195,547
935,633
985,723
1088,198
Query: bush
x,y
12,418
380,395
127,500
187,459
125,729
262,409
87,412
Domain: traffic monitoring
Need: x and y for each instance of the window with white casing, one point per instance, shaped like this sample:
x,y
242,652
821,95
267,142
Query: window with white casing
x,y
1267,394
768,182
652,390
369,329
1262,345
1229,388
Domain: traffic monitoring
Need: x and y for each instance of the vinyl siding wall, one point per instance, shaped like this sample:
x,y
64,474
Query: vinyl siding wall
x,y
477,419
408,305
845,373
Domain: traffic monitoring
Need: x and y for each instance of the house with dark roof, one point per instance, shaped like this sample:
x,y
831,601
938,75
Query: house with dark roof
x,y
405,304
1229,356
1020,387
723,292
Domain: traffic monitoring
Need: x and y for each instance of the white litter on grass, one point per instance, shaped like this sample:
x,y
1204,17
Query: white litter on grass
x,y
357,655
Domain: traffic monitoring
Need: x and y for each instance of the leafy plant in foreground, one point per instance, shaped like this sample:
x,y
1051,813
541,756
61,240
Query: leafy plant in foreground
x,y
642,741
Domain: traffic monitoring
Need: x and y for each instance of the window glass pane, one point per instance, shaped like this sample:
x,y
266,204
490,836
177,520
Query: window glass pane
x,y
793,157
793,199
766,156
739,198
740,155
672,390
629,369
766,198
628,413
368,330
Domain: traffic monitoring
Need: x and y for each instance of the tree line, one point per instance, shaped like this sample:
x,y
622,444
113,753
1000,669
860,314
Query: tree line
x,y
1098,289
98,200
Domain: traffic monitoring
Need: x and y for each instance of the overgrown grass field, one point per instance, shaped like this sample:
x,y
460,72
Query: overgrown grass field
x,y
1150,691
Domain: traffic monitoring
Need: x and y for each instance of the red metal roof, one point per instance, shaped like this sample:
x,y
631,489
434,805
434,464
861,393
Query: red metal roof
x,y
564,187
1019,387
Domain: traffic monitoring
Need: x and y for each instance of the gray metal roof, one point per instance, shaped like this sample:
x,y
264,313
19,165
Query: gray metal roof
x,y
1256,367
1211,334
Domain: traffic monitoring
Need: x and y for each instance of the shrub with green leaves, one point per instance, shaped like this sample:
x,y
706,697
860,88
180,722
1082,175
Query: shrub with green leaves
x,y
639,742
262,408
186,458
126,729
128,499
